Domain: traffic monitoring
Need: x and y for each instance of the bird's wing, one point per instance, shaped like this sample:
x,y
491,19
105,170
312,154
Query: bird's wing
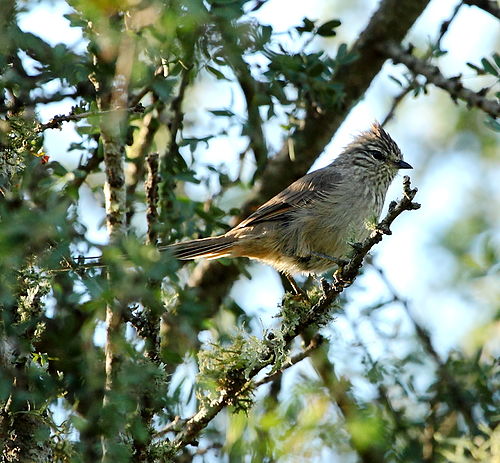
x,y
309,188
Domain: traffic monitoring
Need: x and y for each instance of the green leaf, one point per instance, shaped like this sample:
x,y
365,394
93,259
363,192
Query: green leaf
x,y
170,357
163,88
60,51
266,32
492,124
437,53
488,67
222,112
341,52
87,129
476,68
229,9
220,60
307,27
396,80
75,20
216,73
496,58
328,29
316,69
345,57
58,169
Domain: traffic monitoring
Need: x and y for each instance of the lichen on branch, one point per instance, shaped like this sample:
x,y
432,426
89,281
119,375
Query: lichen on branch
x,y
232,368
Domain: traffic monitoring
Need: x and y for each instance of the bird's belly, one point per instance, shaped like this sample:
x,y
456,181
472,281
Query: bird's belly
x,y
292,246
331,234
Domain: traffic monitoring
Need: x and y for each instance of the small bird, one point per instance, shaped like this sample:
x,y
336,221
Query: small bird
x,y
307,227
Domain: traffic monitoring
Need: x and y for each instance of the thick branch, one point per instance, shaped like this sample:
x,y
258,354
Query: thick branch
x,y
112,91
391,21
434,76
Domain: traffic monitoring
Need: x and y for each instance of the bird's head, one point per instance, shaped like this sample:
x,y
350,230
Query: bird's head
x,y
375,153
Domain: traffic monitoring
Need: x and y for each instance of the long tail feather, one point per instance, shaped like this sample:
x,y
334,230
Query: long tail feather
x,y
210,248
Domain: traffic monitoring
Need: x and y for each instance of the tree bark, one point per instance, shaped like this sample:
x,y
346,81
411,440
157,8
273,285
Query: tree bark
x,y
390,22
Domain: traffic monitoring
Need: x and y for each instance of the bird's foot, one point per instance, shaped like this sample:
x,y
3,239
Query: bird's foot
x,y
357,246
296,289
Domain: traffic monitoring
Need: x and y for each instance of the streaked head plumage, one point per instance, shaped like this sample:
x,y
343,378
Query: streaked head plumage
x,y
377,150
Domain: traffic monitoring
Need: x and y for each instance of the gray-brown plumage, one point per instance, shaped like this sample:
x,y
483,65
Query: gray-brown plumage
x,y
310,224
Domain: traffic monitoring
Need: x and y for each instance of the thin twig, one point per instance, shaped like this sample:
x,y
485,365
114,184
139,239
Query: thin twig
x,y
167,184
490,6
174,426
445,25
434,76
178,116
314,344
141,147
382,389
84,170
57,121
151,188
136,99
57,96
456,395
316,315
250,91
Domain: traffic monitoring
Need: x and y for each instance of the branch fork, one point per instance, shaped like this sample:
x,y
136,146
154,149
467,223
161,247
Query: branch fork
x,y
308,315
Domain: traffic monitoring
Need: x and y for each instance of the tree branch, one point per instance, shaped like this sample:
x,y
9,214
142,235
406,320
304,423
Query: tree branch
x,y
167,184
57,121
151,188
445,25
304,316
84,170
314,344
137,155
490,6
112,100
175,124
391,21
456,397
434,76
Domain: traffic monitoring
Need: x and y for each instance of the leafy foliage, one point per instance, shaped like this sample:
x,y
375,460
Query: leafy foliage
x,y
141,68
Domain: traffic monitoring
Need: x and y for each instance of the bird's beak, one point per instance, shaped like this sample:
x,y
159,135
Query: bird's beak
x,y
402,165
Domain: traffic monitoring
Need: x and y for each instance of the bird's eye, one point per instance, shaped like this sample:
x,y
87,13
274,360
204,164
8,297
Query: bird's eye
x,y
377,155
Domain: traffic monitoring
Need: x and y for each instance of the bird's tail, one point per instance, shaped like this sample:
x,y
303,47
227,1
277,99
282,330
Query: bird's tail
x,y
210,248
